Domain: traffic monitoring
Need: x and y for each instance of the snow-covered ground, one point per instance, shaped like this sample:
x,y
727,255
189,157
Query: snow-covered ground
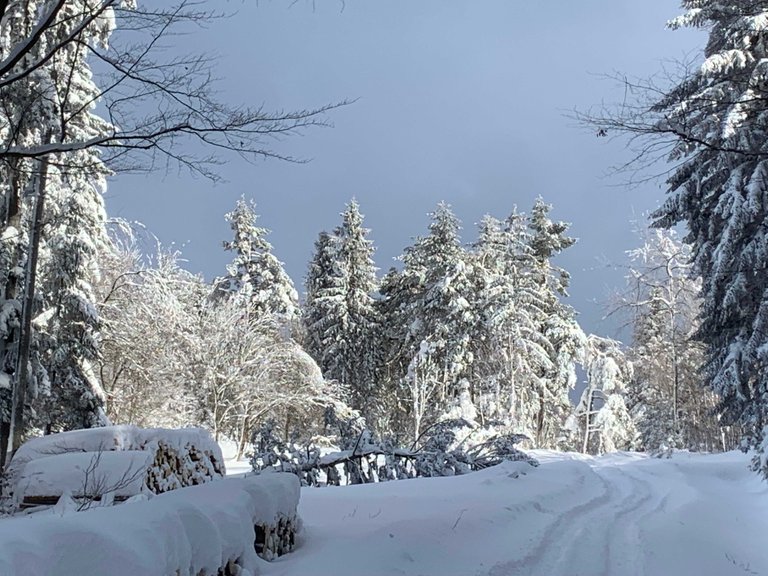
x,y
620,514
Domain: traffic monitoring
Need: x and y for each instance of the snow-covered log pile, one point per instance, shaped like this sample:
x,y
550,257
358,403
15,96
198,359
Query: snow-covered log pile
x,y
208,530
115,462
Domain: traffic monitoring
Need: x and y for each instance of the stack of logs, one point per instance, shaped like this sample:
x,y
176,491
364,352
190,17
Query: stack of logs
x,y
274,541
171,470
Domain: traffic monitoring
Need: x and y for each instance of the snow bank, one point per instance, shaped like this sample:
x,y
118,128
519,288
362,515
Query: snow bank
x,y
82,474
621,514
197,531
173,459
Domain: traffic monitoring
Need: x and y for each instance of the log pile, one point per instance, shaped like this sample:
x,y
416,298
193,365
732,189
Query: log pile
x,y
273,540
221,528
117,462
175,468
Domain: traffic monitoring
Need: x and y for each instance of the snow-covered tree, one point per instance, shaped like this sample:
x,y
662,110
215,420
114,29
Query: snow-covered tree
x,y
173,356
55,211
431,320
603,416
324,285
244,373
149,308
712,125
255,276
341,320
556,321
671,405
511,353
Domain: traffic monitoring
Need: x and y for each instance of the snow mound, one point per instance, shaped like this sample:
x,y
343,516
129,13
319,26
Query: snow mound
x,y
84,474
171,459
197,530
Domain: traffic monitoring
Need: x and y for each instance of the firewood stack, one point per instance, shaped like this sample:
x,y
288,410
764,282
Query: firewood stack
x,y
91,464
275,540
173,469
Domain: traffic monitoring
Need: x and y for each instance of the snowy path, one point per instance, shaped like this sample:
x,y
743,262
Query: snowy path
x,y
621,514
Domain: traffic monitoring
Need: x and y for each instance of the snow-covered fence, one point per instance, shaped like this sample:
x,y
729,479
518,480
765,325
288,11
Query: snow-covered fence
x,y
218,528
116,462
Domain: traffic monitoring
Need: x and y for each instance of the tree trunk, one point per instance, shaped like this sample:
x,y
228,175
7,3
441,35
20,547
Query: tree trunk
x,y
25,336
243,439
10,292
5,435
585,447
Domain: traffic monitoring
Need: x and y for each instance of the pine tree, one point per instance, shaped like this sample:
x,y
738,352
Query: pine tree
x,y
255,275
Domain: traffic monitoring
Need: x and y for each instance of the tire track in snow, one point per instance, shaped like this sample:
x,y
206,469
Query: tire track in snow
x,y
599,536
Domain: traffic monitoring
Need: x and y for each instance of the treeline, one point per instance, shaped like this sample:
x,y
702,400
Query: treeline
x,y
479,332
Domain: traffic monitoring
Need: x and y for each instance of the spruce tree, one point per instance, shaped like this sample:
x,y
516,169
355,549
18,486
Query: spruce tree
x,y
341,321
324,286
431,319
511,353
556,322
713,123
255,275
55,217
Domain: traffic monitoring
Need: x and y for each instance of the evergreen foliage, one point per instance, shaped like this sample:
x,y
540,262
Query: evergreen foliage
x,y
556,322
255,275
511,354
341,322
719,118
430,321
65,190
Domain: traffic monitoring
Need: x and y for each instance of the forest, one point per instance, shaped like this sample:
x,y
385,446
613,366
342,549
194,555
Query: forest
x,y
123,372
101,324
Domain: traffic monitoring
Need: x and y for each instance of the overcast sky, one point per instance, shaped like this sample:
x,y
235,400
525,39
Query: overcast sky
x,y
465,102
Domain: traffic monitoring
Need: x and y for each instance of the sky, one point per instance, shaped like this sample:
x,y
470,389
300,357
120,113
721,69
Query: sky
x,y
456,101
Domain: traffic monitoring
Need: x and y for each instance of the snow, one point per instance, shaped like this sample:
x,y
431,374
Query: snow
x,y
619,514
114,455
186,531
122,474
123,437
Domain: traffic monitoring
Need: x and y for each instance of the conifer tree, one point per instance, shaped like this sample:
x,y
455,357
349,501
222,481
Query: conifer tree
x,y
255,275
431,319
341,324
556,323
323,284
713,126
510,351
55,215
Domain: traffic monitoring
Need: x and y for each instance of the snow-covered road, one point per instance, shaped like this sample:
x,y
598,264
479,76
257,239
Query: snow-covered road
x,y
621,514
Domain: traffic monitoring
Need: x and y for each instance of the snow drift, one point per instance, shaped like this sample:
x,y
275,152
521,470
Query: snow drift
x,y
196,531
